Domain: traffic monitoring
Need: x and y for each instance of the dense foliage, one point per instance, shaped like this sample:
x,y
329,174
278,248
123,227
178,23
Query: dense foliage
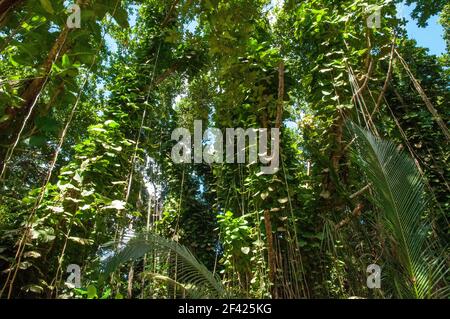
x,y
87,178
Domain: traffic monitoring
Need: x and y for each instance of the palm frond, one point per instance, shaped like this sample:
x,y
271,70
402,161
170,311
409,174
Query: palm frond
x,y
187,290
189,269
398,192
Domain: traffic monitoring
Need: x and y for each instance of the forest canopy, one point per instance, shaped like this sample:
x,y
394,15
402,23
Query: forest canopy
x,y
222,149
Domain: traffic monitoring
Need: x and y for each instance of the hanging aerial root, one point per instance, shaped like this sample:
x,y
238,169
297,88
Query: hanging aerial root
x,y
425,98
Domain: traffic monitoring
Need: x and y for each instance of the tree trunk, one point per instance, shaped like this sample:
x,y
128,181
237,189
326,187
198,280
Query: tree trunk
x,y
130,281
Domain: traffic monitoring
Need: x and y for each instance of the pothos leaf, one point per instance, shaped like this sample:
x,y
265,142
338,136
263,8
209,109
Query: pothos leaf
x,y
66,61
91,292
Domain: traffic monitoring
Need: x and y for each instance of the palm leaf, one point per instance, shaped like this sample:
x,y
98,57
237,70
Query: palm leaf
x,y
398,193
189,269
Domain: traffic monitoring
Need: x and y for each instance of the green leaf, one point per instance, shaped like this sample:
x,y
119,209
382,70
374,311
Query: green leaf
x,y
33,288
37,141
5,118
245,250
398,193
91,292
85,207
13,61
81,241
47,124
47,5
66,61
32,254
112,124
106,294
192,270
